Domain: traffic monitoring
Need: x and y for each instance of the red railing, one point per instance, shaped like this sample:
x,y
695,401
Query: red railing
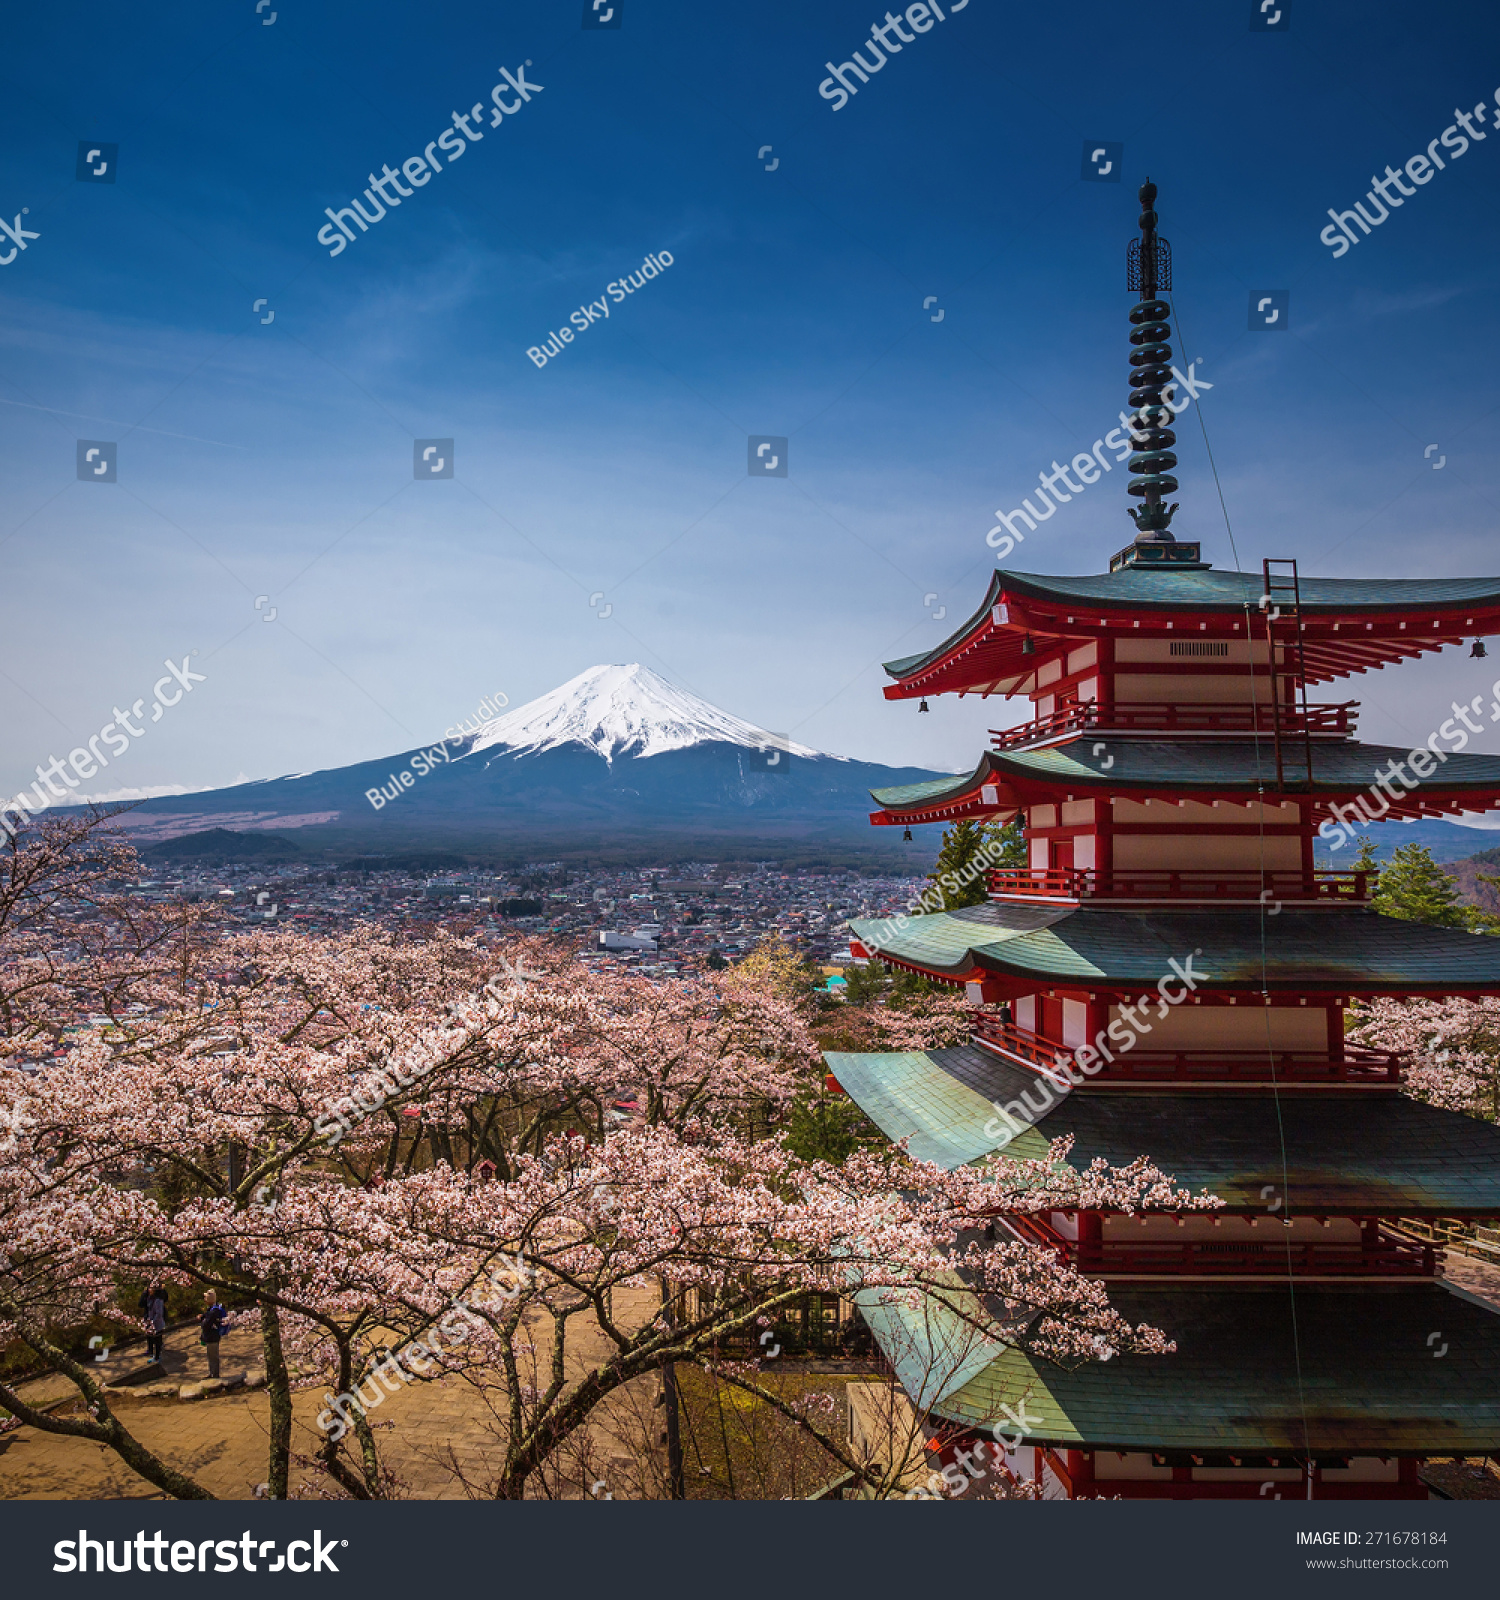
x,y
1265,888
1034,1231
1391,1255
1032,1049
1150,716
1141,1066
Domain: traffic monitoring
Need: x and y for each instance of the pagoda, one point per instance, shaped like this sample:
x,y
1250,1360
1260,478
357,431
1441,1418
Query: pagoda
x,y
1172,779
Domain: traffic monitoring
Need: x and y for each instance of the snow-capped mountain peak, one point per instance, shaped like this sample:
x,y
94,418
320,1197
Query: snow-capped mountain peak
x,y
619,711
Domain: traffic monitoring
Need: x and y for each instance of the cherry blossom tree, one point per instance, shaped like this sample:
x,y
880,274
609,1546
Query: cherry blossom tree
x,y
920,1020
71,944
738,1228
436,1161
1454,1046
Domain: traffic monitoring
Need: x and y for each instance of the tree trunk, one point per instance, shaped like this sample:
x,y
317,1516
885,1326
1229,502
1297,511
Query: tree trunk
x,y
279,1389
676,1487
101,1425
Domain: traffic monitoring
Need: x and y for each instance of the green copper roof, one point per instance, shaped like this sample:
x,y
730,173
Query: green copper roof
x,y
1338,766
906,1096
936,1346
1358,952
1123,764
1338,1371
913,796
1168,589
1380,1154
1349,1153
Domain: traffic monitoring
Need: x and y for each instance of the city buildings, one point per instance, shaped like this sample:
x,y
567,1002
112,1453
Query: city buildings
x,y
692,911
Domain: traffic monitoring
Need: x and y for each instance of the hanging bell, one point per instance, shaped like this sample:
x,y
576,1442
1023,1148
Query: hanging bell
x,y
1477,651
907,836
921,708
1028,646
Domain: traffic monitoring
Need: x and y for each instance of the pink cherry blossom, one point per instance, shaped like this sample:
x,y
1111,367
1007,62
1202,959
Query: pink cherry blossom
x,y
240,1122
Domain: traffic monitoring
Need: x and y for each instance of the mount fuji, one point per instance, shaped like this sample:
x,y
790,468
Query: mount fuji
x,y
616,765
622,711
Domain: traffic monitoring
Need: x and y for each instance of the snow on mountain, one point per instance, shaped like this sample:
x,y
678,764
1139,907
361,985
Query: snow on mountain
x,y
619,711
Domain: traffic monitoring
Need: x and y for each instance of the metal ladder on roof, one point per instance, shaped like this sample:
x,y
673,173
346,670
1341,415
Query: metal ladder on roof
x,y
1281,602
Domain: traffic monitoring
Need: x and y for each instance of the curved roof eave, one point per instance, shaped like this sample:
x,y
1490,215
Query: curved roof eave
x,y
942,792
1131,950
907,665
1177,591
1230,769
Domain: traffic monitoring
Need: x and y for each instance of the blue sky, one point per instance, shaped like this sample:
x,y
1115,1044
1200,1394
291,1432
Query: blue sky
x,y
273,461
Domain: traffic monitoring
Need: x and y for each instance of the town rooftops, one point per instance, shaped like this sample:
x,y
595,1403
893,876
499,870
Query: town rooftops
x,y
1349,624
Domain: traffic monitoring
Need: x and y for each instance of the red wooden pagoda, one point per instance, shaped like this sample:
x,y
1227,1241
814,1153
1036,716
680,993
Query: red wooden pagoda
x,y
1172,780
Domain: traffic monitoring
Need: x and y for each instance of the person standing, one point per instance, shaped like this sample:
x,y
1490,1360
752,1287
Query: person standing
x,y
156,1321
212,1323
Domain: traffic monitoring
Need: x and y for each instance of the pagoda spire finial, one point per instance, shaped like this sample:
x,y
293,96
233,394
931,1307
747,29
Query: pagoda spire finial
x,y
1149,269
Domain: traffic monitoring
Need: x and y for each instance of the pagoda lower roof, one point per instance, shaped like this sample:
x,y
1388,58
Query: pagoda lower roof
x,y
1230,769
1353,952
1349,624
1330,1371
1329,1153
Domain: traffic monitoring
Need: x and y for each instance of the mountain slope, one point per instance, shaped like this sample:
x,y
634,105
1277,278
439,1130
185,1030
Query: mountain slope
x,y
617,763
1448,841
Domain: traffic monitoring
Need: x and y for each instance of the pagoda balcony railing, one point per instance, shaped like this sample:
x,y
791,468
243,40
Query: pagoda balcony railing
x,y
1465,1235
1141,1066
1151,716
1076,884
1388,1255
